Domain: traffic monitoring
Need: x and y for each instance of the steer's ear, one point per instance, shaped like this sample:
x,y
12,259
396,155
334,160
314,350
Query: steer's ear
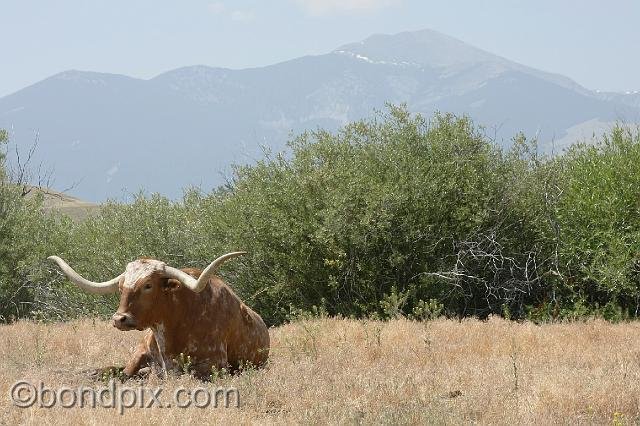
x,y
171,285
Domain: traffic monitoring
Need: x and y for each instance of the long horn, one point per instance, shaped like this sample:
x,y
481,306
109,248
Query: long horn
x,y
200,284
88,286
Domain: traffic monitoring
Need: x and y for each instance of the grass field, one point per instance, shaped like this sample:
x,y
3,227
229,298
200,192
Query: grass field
x,y
360,372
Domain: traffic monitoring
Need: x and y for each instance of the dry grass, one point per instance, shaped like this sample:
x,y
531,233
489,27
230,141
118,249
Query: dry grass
x,y
346,371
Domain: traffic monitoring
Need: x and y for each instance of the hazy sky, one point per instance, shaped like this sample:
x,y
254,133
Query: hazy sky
x,y
595,42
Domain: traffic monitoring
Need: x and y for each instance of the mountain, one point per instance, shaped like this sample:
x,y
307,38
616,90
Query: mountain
x,y
112,134
628,98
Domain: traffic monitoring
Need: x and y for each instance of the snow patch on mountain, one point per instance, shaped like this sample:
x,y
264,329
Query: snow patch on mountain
x,y
371,61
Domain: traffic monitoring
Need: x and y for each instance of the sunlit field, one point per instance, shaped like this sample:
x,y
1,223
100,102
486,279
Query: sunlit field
x,y
348,371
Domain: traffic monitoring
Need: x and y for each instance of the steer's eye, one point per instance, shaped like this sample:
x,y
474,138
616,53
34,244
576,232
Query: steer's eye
x,y
147,286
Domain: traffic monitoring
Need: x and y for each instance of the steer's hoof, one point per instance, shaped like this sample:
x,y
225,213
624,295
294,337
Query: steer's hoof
x,y
144,372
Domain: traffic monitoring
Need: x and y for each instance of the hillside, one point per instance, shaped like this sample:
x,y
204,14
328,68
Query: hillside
x,y
115,134
73,207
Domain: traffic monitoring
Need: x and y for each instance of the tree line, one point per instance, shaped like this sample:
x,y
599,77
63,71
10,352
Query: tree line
x,y
394,215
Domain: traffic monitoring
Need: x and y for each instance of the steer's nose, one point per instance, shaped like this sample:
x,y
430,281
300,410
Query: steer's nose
x,y
123,321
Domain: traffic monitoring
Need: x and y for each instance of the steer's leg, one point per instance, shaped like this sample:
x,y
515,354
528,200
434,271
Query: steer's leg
x,y
141,357
216,361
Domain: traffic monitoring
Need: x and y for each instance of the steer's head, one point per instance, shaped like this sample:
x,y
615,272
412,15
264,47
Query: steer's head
x,y
146,288
145,292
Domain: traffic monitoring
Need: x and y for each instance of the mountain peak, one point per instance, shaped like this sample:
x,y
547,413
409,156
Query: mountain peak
x,y
426,48
91,78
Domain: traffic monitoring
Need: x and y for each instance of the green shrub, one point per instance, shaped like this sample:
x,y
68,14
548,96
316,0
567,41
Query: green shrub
x,y
597,214
397,215
26,235
397,206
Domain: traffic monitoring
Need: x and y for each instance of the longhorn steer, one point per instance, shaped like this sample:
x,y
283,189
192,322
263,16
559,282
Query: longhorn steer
x,y
188,311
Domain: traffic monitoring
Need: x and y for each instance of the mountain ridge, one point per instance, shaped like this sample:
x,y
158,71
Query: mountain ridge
x,y
193,122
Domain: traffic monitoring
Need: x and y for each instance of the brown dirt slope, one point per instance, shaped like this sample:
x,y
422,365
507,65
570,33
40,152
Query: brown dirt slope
x,y
63,203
